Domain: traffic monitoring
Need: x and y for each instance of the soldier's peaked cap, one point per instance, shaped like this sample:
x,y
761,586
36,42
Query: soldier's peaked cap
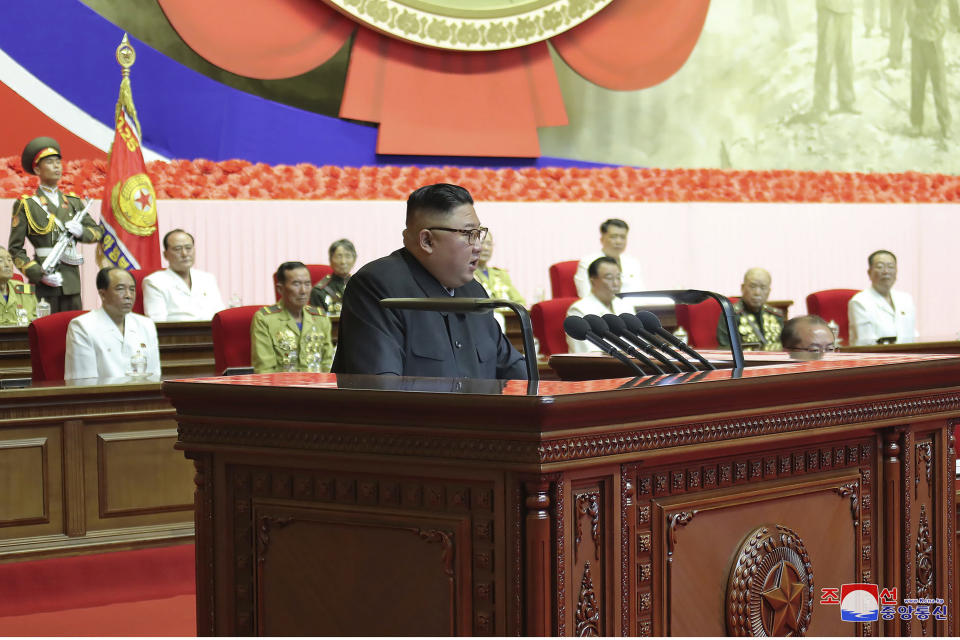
x,y
36,150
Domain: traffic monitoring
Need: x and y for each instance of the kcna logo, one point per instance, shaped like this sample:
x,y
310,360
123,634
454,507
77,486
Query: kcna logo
x,y
863,602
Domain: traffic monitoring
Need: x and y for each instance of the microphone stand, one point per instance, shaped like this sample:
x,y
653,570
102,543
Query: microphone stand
x,y
695,296
479,305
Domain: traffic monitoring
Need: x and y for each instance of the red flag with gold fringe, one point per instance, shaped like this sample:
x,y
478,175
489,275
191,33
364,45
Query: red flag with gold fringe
x,y
129,209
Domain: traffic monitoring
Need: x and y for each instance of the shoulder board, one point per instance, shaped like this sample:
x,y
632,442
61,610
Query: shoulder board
x,y
774,310
323,281
26,196
73,195
274,308
312,310
738,306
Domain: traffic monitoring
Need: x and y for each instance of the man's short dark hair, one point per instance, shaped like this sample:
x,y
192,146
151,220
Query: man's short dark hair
x,y
170,233
594,269
790,336
439,198
342,242
878,252
288,266
613,222
103,277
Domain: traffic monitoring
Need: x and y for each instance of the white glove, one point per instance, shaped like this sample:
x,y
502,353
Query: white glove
x,y
52,279
75,228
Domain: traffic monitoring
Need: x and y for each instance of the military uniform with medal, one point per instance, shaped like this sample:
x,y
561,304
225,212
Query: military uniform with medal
x,y
758,331
42,218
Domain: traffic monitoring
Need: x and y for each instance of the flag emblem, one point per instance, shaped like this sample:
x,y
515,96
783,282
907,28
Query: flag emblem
x,y
135,205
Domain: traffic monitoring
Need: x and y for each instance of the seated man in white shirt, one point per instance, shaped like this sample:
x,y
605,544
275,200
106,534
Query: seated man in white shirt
x,y
613,240
604,276
103,342
880,312
180,293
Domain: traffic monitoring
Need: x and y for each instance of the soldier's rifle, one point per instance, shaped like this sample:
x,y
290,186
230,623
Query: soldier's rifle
x,y
65,241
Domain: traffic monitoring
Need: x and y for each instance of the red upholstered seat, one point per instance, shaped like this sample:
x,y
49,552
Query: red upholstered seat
x,y
700,321
138,276
547,320
48,345
231,337
317,273
831,304
561,280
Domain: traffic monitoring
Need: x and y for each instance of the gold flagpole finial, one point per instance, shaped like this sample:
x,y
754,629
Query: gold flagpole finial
x,y
126,55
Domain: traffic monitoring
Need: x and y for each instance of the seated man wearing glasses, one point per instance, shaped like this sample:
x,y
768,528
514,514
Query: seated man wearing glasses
x,y
881,312
758,323
807,336
441,250
605,283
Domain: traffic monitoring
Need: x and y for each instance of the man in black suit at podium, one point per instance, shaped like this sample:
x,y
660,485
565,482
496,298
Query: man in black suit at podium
x,y
441,247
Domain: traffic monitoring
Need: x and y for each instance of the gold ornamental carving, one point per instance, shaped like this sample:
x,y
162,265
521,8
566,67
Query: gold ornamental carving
x,y
770,588
479,25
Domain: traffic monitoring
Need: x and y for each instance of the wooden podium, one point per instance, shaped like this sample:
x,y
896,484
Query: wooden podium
x,y
715,505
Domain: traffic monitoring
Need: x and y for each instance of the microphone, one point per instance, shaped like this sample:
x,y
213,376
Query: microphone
x,y
478,305
652,323
578,329
601,328
637,327
619,327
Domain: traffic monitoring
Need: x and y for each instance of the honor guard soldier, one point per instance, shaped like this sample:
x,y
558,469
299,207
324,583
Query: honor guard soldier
x,y
291,335
18,305
42,218
758,323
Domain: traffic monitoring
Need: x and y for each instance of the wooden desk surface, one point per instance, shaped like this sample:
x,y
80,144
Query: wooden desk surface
x,y
923,345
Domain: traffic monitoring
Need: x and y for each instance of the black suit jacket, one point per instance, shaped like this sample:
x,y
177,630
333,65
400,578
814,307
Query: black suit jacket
x,y
375,340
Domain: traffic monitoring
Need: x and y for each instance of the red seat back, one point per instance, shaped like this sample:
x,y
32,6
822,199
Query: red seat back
x,y
561,280
138,276
700,321
317,273
48,345
231,337
547,320
831,304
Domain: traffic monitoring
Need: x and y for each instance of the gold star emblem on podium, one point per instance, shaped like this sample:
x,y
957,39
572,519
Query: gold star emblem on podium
x,y
786,600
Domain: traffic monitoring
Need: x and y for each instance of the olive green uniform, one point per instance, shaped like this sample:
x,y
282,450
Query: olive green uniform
x,y
328,294
33,219
762,328
274,335
498,285
19,296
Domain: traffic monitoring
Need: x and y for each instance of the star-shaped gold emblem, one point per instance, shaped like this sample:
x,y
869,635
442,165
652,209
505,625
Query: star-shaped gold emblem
x,y
786,599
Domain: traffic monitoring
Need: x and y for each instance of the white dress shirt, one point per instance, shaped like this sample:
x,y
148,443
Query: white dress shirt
x,y
629,274
872,317
97,349
167,298
588,305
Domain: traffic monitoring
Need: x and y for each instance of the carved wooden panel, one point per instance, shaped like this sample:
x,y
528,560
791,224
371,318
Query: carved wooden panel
x,y
319,559
24,477
140,472
588,561
690,529
399,522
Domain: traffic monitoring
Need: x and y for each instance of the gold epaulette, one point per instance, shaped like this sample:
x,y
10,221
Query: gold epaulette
x,y
274,308
323,281
774,310
312,310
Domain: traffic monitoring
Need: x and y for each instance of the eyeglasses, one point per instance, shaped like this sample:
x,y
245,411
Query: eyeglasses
x,y
815,348
472,235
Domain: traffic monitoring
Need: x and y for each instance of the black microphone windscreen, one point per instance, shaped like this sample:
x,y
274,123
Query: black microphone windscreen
x,y
616,325
576,327
650,321
632,322
597,325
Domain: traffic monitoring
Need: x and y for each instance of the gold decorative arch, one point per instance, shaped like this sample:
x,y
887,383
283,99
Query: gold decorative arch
x,y
484,25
